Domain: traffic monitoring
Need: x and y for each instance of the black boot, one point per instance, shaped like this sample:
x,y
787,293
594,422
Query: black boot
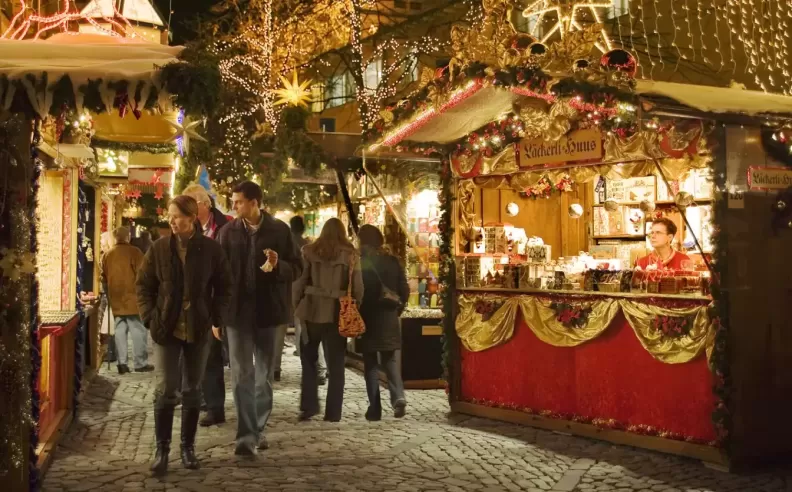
x,y
189,427
163,426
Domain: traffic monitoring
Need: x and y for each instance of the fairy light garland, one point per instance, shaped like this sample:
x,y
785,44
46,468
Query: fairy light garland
x,y
21,23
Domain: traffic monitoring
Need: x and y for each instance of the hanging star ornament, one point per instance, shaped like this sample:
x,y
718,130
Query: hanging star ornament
x,y
570,16
186,131
263,130
293,93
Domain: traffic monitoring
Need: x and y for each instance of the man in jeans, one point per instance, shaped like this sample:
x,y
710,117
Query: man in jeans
x,y
119,270
264,263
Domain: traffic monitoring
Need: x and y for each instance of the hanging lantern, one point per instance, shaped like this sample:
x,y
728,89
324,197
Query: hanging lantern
x,y
683,200
537,49
621,61
581,64
611,205
647,206
521,42
575,211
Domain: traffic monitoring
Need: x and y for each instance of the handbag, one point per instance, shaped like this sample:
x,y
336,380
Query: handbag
x,y
350,323
388,298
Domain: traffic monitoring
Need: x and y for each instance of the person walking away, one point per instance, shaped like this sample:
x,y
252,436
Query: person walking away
x,y
119,268
325,279
264,262
212,220
183,292
297,226
143,242
386,294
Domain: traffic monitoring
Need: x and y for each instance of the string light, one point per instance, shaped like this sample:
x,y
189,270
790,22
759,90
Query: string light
x,y
569,17
20,24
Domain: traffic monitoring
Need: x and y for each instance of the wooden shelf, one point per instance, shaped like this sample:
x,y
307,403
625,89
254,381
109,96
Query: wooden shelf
x,y
620,236
665,202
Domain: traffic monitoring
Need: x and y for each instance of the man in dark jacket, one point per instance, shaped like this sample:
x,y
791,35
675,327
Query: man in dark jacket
x,y
264,263
212,220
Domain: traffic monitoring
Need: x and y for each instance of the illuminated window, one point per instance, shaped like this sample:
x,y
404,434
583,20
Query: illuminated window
x,y
373,74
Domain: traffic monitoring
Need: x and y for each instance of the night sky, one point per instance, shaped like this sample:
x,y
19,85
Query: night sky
x,y
183,12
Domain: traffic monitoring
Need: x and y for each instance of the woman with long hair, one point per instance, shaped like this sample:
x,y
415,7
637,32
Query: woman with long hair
x,y
183,292
325,279
386,294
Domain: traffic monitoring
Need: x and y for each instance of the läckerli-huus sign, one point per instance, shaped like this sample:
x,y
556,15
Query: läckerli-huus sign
x,y
580,145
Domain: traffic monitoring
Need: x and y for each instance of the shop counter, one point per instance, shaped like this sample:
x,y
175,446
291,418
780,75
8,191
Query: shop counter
x,y
591,363
56,377
422,349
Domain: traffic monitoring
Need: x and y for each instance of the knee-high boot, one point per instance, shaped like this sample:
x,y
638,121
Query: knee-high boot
x,y
163,427
189,427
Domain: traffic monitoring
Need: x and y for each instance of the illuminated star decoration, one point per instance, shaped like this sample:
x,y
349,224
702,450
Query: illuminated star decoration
x,y
293,93
568,16
262,130
185,130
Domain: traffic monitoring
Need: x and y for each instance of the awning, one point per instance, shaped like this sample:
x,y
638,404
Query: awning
x,y
719,99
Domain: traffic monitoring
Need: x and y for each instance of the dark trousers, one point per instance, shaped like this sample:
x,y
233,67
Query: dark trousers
x,y
214,380
179,369
335,354
389,363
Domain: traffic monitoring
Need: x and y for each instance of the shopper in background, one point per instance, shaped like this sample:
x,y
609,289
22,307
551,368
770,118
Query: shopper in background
x,y
325,279
119,269
143,242
183,292
264,263
297,225
212,220
386,294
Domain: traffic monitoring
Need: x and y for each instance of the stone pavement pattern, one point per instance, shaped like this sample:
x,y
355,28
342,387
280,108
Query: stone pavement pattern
x,y
111,442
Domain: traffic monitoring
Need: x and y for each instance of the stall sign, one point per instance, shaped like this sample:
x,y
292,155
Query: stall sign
x,y
769,178
580,145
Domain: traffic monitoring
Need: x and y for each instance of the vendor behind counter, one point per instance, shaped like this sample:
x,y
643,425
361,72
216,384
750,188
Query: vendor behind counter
x,y
664,255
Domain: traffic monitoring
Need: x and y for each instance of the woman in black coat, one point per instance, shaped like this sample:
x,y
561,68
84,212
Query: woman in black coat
x,y
385,293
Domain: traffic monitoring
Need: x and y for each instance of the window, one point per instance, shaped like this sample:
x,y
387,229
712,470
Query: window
x,y
528,24
619,8
318,98
373,73
338,89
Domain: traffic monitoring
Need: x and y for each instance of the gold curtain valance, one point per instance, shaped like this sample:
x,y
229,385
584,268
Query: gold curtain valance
x,y
495,326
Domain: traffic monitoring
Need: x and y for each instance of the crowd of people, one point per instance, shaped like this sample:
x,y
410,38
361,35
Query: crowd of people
x,y
222,291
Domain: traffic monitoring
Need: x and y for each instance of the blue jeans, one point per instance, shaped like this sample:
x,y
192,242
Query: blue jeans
x,y
390,365
251,382
124,326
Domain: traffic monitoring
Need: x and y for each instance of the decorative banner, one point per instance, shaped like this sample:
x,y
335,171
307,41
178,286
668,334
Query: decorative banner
x,y
580,145
670,335
769,178
150,176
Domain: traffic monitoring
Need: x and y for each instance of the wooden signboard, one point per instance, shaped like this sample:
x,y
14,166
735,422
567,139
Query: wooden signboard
x,y
580,145
769,178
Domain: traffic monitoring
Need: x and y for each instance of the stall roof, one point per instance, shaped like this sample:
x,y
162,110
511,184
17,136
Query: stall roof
x,y
349,146
719,99
83,57
486,103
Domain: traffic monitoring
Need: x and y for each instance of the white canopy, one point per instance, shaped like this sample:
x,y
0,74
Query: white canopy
x,y
719,99
84,57
490,102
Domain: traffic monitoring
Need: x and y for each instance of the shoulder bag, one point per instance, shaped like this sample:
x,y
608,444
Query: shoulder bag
x,y
350,323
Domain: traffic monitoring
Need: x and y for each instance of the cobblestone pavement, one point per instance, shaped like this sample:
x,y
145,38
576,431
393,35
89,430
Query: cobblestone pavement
x,y
110,443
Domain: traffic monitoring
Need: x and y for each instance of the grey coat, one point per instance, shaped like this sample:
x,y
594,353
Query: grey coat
x,y
322,283
383,326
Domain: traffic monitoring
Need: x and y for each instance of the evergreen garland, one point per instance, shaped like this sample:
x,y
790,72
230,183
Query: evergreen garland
x,y
447,267
151,148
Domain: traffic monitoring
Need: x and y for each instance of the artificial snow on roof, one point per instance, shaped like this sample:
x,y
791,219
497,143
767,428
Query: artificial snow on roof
x,y
134,11
718,99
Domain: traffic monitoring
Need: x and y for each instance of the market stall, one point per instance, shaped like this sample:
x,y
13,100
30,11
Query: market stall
x,y
400,197
58,96
562,309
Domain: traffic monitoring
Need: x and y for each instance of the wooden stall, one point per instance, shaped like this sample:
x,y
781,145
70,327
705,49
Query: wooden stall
x,y
602,273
